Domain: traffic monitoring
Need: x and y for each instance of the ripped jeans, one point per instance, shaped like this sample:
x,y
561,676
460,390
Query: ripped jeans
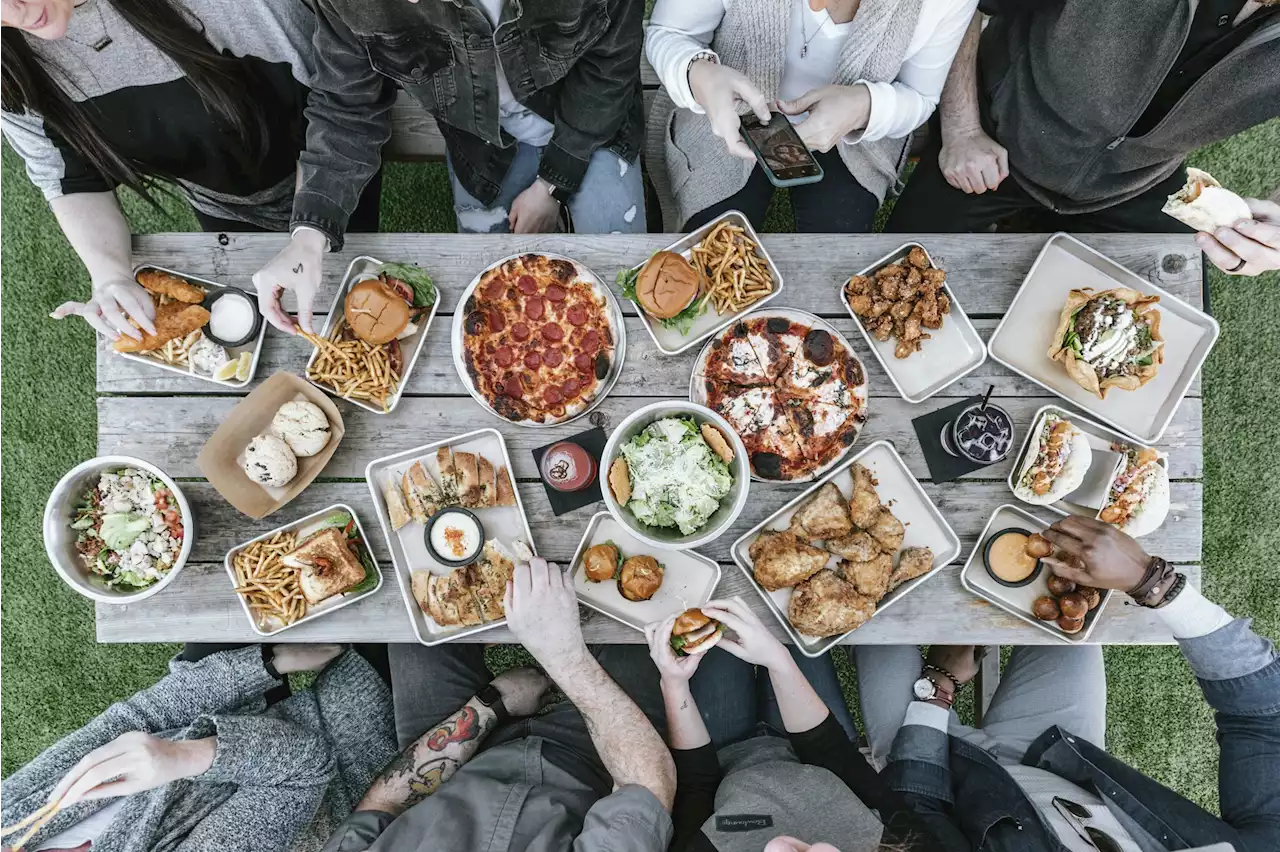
x,y
610,200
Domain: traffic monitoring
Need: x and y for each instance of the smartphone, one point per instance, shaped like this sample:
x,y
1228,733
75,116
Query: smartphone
x,y
786,160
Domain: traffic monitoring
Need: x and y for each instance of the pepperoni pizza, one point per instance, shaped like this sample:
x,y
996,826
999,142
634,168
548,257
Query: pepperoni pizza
x,y
538,341
792,390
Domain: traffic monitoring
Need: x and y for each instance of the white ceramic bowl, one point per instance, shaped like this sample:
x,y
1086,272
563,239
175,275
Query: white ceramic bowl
x,y
730,506
60,539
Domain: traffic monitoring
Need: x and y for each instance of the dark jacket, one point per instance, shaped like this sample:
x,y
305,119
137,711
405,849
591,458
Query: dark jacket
x,y
970,802
576,63
1063,81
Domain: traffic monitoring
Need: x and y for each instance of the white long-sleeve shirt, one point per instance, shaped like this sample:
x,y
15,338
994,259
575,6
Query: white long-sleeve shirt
x,y
681,30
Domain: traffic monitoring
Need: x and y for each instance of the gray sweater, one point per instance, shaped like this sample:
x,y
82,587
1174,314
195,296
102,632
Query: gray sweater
x,y
283,777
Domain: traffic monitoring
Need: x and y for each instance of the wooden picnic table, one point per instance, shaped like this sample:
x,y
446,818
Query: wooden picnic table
x,y
166,418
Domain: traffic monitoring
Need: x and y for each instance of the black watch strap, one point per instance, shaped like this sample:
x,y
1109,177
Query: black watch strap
x,y
269,661
490,697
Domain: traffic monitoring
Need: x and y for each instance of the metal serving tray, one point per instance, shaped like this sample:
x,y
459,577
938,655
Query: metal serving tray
x,y
408,546
1017,600
954,351
671,342
411,345
689,579
254,346
615,318
925,527
1022,340
323,608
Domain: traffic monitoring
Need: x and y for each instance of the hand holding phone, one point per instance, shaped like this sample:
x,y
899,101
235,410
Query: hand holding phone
x,y
718,90
781,152
833,113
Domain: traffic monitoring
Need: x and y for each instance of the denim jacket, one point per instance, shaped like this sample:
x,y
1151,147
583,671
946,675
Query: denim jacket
x,y
576,63
972,803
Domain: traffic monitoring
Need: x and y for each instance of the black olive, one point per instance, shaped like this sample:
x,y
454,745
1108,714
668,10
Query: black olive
x,y
778,325
476,322
740,329
471,305
602,366
767,465
818,347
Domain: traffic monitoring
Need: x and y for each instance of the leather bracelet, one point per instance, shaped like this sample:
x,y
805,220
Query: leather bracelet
x,y
1179,583
1159,577
955,681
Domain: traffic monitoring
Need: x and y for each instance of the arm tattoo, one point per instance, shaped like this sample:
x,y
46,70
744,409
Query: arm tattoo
x,y
465,727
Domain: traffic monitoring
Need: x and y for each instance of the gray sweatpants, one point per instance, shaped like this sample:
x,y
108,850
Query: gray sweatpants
x,y
1043,685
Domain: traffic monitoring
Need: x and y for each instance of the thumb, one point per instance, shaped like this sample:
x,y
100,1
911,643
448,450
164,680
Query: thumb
x,y
804,103
753,98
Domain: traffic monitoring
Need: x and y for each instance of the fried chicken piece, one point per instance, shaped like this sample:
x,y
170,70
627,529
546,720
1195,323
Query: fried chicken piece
x,y
825,605
901,310
870,578
173,321
913,562
887,530
917,258
859,285
865,504
914,279
893,270
910,329
858,546
944,303
781,560
880,307
164,284
860,304
888,287
881,329
825,515
934,279
907,348
929,310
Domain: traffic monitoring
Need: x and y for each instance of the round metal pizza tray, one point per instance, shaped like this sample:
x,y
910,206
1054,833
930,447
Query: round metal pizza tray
x,y
698,394
615,321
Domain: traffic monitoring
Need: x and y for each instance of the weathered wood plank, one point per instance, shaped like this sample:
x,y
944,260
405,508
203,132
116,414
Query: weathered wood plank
x,y
200,606
985,269
647,371
170,431
966,507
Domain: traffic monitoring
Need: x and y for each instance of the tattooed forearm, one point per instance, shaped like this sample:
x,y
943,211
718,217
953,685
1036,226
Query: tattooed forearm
x,y
419,770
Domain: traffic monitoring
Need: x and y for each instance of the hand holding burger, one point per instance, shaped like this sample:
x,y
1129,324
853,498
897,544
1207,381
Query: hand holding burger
x,y
752,641
674,668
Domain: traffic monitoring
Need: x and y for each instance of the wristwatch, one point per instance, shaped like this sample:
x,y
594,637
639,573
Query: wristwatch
x,y
927,689
490,697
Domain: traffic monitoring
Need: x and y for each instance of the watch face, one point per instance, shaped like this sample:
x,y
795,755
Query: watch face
x,y
924,688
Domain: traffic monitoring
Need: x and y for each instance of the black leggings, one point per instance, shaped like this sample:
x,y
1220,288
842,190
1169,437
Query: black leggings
x,y
837,204
364,219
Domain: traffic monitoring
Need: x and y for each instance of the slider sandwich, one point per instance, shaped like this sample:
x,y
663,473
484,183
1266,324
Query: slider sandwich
x,y
695,633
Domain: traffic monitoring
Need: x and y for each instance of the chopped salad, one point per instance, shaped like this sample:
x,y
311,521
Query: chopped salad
x,y
677,480
129,529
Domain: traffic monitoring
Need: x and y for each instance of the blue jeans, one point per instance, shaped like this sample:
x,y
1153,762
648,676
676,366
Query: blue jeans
x,y
610,200
737,701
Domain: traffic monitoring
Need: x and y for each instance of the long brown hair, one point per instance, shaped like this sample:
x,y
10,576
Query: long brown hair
x,y
225,84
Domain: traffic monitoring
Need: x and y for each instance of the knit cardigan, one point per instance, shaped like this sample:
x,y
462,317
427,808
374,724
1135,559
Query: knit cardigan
x,y
699,171
283,776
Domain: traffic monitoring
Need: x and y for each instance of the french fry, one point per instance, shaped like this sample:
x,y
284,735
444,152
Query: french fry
x,y
737,275
271,589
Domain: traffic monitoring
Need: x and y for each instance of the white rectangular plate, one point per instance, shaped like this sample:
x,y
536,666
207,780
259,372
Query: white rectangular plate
x,y
1017,601
325,607
671,342
1021,342
411,346
689,579
898,489
953,351
408,545
254,346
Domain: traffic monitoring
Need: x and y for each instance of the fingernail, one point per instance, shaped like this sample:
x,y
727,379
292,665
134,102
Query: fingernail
x,y
1202,240
1223,232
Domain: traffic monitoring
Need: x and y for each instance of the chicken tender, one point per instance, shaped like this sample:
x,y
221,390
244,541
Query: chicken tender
x,y
825,605
825,515
870,578
856,547
865,505
887,530
164,284
912,563
173,321
782,560
917,258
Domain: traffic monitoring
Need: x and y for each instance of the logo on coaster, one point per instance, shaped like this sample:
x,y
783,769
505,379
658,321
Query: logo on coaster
x,y
743,822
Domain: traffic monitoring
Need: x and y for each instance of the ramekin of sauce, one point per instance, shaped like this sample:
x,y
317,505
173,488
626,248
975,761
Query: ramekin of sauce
x,y
1006,560
567,467
454,537
233,317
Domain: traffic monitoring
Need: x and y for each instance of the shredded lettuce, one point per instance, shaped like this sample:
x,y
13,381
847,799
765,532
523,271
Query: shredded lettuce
x,y
681,322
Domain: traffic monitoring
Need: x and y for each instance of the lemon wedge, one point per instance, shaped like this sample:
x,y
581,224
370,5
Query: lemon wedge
x,y
244,364
227,372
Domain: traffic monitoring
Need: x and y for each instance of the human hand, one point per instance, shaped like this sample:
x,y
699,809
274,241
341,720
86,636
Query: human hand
x,y
972,161
542,612
1091,553
674,670
753,642
111,306
300,657
834,113
131,763
534,211
718,89
1251,246
297,267
960,660
524,691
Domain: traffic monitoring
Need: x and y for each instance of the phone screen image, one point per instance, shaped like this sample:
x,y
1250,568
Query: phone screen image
x,y
780,147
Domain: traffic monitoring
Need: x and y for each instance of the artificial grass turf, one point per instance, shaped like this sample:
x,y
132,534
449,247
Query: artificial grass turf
x,y
54,676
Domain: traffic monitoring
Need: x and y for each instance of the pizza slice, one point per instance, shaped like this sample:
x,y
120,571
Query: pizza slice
x,y
733,360
775,340
757,415
824,431
823,370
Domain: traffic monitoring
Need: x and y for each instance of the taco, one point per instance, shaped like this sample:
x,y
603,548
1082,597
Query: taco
x,y
1056,462
1109,339
1138,500
1205,204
